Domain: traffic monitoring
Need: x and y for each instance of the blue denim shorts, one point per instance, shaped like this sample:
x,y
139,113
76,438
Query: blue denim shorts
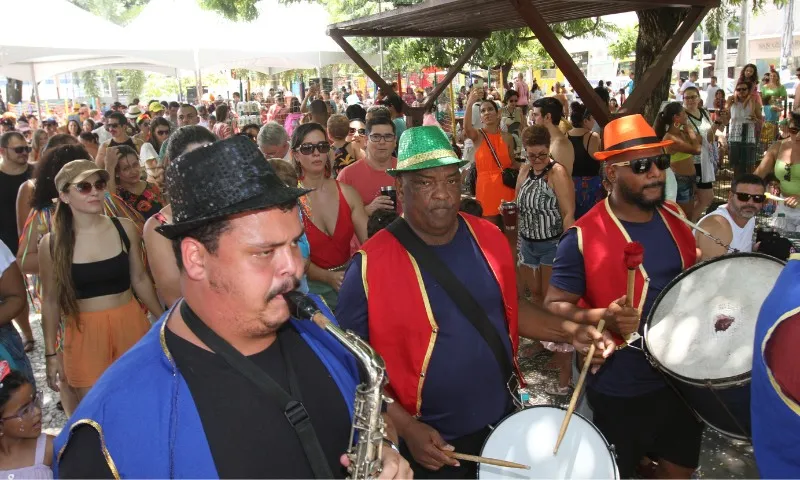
x,y
534,253
686,185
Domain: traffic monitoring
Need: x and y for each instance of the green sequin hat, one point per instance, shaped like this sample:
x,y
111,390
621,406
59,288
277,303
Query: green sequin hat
x,y
424,147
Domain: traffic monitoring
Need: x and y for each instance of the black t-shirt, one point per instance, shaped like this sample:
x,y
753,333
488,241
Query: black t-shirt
x,y
247,433
9,186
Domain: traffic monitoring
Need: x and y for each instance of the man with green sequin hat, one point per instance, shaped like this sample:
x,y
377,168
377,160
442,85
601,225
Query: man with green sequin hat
x,y
435,295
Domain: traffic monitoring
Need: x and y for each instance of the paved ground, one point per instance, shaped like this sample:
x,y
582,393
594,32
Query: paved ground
x,y
720,457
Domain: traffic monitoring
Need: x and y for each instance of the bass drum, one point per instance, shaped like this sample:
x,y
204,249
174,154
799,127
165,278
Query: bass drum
x,y
529,436
700,333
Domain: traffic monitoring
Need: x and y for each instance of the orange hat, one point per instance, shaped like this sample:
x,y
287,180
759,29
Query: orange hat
x,y
627,134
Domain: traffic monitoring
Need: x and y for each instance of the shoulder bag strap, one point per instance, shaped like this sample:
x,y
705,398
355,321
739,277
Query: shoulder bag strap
x,y
491,149
456,290
293,409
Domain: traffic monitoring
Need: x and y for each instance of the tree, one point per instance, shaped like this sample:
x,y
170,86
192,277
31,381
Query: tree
x,y
499,51
132,82
625,44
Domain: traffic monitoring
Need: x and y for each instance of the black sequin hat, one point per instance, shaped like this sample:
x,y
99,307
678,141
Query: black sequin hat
x,y
219,180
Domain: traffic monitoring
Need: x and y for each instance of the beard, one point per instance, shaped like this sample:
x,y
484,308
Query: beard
x,y
745,212
638,198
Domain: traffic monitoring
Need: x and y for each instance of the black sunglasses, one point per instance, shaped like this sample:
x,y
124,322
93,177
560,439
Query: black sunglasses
x,y
743,197
308,148
642,165
742,89
361,131
21,150
86,187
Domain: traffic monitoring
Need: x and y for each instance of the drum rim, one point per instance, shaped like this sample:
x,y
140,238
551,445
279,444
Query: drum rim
x,y
609,446
726,382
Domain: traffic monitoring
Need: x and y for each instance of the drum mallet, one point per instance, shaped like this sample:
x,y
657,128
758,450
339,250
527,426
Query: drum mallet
x,y
634,255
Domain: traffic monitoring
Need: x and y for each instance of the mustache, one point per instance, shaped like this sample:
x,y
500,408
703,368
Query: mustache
x,y
286,286
655,184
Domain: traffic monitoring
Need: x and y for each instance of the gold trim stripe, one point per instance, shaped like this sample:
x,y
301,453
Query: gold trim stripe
x,y
87,421
364,273
434,333
424,157
788,401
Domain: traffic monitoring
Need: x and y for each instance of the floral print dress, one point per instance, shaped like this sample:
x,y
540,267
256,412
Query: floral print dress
x,y
147,203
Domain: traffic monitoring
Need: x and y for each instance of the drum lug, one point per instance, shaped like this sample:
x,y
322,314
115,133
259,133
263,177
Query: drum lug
x,y
613,450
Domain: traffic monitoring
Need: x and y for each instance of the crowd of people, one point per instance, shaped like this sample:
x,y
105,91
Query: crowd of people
x,y
157,240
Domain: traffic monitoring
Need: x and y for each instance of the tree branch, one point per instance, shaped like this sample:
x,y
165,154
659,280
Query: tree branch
x,y
590,29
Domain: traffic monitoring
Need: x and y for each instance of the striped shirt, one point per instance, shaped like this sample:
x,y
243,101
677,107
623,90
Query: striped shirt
x,y
539,216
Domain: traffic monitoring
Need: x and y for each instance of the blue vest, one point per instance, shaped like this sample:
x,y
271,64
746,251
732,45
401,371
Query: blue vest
x,y
146,418
775,417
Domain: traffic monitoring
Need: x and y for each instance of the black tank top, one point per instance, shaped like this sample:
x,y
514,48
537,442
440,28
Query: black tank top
x,y
585,165
128,142
105,277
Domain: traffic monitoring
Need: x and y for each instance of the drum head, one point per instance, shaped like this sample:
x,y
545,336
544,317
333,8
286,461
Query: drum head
x,y
529,436
702,325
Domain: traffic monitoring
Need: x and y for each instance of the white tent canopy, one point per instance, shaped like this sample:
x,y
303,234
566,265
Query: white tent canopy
x,y
282,37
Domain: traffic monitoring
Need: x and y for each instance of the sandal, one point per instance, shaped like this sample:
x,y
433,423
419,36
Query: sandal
x,y
29,345
556,391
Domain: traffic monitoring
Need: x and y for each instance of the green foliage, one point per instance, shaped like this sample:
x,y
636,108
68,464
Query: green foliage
x,y
119,12
159,86
726,16
625,44
90,84
133,82
237,10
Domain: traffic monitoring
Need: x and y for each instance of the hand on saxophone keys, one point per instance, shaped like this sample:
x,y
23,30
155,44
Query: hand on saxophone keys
x,y
394,465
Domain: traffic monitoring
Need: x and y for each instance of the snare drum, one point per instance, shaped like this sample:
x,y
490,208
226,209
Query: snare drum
x,y
529,436
700,332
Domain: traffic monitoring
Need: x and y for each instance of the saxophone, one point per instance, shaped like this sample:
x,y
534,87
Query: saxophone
x,y
368,429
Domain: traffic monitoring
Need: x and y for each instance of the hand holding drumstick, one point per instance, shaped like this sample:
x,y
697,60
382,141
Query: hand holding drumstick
x,y
634,255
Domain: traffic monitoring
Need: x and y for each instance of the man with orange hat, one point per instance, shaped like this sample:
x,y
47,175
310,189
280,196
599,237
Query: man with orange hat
x,y
633,406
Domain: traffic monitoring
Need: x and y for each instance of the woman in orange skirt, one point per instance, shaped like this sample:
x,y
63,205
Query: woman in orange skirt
x,y
90,266
489,189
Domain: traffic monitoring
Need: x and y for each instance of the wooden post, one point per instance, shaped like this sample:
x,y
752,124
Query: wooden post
x,y
453,70
655,72
563,59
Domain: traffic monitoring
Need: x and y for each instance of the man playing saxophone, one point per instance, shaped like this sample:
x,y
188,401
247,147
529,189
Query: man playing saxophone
x,y
449,340
225,384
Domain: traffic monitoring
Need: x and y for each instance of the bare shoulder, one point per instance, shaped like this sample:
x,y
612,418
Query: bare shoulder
x,y
350,194
715,224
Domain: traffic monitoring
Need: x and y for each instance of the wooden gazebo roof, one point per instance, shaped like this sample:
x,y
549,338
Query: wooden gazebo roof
x,y
478,18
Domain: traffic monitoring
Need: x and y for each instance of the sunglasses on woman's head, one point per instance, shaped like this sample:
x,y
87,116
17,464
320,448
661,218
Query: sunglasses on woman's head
x,y
360,131
85,188
642,165
308,148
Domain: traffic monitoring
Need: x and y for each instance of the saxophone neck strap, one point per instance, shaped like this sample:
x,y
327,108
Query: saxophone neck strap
x,y
290,402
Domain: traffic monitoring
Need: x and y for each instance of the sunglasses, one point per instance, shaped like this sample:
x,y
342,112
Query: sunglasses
x,y
21,150
742,89
162,132
386,137
642,165
743,197
690,97
308,148
146,124
360,131
85,188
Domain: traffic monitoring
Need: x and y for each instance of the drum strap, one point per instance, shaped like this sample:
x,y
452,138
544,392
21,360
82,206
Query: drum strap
x,y
457,292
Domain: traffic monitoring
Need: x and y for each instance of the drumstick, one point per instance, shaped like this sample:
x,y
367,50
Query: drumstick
x,y
486,460
578,387
634,255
